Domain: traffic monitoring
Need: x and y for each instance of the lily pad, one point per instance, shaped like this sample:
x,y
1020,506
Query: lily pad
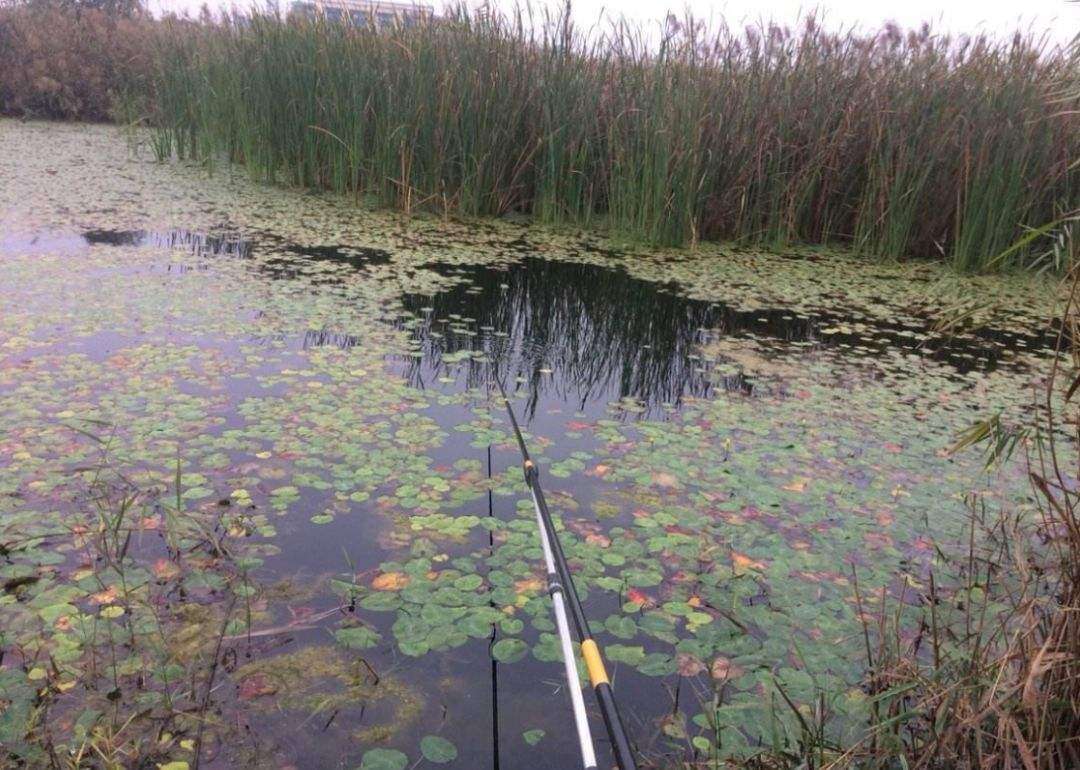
x,y
509,650
357,637
437,749
384,759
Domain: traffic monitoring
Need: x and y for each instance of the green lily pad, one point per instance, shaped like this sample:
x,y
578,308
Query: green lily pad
x,y
437,749
509,650
384,759
468,582
357,637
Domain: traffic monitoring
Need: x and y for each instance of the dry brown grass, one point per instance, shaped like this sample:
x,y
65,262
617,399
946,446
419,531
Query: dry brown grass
x,y
989,677
69,63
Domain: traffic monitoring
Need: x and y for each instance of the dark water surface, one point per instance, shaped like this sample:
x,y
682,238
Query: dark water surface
x,y
583,334
589,348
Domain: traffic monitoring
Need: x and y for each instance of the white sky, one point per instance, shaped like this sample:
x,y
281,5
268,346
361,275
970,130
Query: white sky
x,y
1059,18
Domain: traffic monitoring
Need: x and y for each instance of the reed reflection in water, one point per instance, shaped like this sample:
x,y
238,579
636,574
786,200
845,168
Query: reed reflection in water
x,y
577,333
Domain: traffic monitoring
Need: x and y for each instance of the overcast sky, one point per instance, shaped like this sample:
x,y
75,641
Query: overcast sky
x,y
1059,18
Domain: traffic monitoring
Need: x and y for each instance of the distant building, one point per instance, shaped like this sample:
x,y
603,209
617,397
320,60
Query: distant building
x,y
383,12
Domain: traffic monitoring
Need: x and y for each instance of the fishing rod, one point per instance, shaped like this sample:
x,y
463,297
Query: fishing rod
x,y
560,585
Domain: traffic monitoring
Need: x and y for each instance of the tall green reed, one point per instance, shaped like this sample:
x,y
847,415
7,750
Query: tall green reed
x,y
901,144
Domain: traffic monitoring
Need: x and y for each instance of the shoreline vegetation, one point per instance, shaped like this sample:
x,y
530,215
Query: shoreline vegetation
x,y
896,144
899,145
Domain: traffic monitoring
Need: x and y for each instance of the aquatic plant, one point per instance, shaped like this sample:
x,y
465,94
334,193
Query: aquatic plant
x,y
906,145
713,537
114,661
986,671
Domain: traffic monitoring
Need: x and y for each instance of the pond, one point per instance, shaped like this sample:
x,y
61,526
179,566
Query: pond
x,y
252,468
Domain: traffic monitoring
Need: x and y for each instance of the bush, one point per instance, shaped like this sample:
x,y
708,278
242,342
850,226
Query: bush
x,y
70,62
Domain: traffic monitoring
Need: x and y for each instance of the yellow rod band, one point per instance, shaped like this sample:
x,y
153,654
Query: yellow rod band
x,y
594,663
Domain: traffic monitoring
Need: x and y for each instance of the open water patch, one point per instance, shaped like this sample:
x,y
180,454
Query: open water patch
x,y
195,242
582,334
49,242
354,256
237,245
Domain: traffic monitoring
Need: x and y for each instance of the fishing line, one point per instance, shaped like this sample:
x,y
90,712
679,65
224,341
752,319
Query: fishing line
x,y
494,635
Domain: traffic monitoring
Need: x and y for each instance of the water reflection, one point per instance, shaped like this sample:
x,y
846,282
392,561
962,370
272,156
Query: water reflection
x,y
292,261
194,242
322,338
571,332
353,256
311,339
575,334
282,259
583,334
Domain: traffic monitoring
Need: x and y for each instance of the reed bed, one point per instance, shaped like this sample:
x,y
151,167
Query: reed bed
x,y
900,144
